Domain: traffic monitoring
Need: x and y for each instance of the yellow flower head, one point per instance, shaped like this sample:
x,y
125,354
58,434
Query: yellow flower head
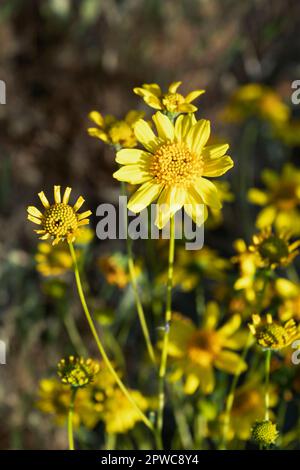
x,y
264,433
53,260
173,167
59,221
172,101
281,199
196,351
113,131
271,334
77,371
274,249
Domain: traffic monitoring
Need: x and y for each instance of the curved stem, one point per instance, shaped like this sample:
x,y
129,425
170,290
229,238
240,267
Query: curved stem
x,y
267,391
133,280
99,344
70,419
168,315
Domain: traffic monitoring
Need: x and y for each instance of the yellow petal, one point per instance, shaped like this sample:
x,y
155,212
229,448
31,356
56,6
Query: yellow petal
x,y
95,132
66,195
173,87
257,196
230,362
191,384
44,200
198,135
133,174
164,126
84,215
34,219
214,151
266,217
170,201
153,88
153,102
34,212
97,118
182,126
195,208
207,380
145,135
57,196
131,156
231,326
181,330
208,192
187,108
78,203
217,167
193,95
211,315
146,194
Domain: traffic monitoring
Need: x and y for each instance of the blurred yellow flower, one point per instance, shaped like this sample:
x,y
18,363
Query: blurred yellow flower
x,y
248,407
248,264
271,334
59,221
53,260
113,131
273,250
289,132
84,237
258,100
172,101
281,199
215,216
114,269
196,351
118,414
174,168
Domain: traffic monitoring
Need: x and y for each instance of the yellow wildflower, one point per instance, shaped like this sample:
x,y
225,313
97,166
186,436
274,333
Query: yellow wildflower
x,y
258,100
113,131
264,433
281,199
289,293
118,414
53,260
271,334
59,221
273,250
196,351
215,217
248,264
289,132
174,167
77,371
172,101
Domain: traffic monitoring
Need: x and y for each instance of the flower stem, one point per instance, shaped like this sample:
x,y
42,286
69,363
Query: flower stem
x,y
99,344
267,391
168,315
70,419
133,280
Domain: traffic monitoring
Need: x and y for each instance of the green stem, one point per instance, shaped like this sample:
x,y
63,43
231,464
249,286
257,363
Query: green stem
x,y
98,341
267,383
70,419
231,394
168,315
133,280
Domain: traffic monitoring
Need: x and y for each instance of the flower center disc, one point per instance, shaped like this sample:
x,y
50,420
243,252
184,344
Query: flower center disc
x,y
60,220
172,100
203,347
174,164
273,249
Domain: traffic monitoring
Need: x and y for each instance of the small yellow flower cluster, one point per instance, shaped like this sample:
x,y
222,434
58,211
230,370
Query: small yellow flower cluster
x,y
77,372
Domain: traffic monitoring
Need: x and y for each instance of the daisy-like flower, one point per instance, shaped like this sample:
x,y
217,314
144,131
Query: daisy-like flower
x,y
172,101
174,167
77,371
274,249
280,199
195,352
58,221
264,433
113,131
53,260
271,334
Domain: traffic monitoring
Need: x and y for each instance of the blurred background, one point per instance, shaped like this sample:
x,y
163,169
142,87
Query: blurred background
x,y
60,59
